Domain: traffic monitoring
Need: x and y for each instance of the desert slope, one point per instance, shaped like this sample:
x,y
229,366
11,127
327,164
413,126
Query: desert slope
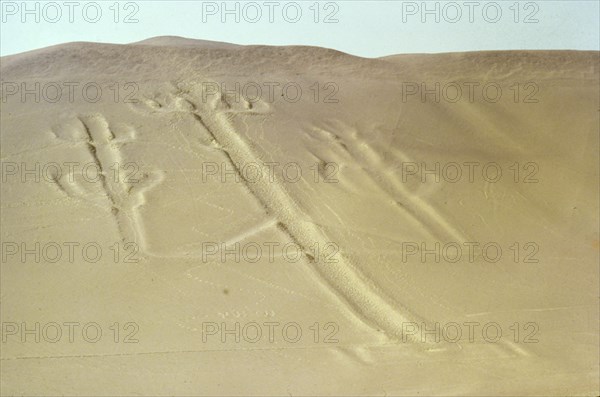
x,y
206,151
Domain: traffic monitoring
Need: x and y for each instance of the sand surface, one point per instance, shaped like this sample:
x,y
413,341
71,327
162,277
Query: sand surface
x,y
201,226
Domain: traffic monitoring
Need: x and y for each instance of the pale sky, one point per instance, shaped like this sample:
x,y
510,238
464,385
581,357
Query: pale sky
x,y
365,28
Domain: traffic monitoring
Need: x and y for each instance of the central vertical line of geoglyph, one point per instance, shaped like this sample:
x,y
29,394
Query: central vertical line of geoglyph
x,y
342,277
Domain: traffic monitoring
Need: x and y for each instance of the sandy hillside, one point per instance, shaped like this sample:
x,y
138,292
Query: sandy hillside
x,y
364,236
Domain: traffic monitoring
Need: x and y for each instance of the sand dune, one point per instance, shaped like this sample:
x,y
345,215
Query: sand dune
x,y
252,220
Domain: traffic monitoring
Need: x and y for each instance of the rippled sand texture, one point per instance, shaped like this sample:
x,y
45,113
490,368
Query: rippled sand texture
x,y
354,214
